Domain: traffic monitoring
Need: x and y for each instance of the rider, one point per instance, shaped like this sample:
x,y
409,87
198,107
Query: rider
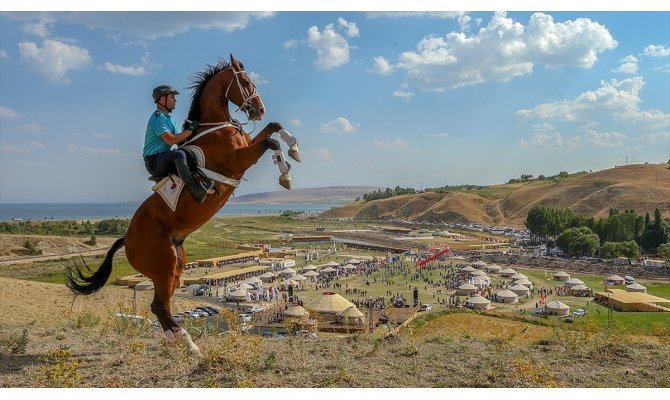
x,y
161,134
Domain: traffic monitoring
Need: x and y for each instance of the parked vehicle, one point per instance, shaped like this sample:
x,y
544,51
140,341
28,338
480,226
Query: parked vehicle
x,y
579,313
190,314
629,280
202,310
244,317
178,318
211,310
426,307
256,309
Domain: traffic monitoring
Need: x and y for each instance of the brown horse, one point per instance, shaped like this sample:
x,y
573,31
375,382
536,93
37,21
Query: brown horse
x,y
155,238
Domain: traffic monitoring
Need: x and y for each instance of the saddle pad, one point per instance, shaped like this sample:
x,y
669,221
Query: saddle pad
x,y
169,190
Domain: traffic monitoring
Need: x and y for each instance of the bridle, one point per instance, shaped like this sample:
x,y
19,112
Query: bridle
x,y
246,97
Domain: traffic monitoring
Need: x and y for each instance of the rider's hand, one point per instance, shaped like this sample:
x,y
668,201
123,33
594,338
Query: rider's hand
x,y
191,126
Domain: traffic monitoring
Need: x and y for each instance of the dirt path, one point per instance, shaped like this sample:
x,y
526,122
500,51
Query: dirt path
x,y
30,259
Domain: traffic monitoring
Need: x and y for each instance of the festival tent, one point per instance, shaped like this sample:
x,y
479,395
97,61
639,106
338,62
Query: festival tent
x,y
244,286
468,269
524,282
353,261
493,268
520,290
518,276
327,270
267,277
288,272
329,302
348,267
309,267
331,264
478,302
295,311
253,280
481,281
352,315
507,296
561,276
192,287
144,285
466,289
507,272
477,273
579,288
636,287
310,274
238,295
615,280
479,264
558,308
299,277
573,281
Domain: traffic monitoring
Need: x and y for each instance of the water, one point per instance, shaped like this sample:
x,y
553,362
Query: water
x,y
77,211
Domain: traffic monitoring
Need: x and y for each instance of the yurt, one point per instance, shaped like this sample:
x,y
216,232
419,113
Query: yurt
x,y
331,264
493,268
636,287
286,283
348,267
561,276
479,264
520,290
557,308
518,276
238,295
477,273
253,280
478,302
245,286
580,290
524,282
327,270
287,272
309,267
268,277
310,274
354,261
299,278
329,305
615,280
147,285
295,312
507,296
507,272
481,281
468,269
466,289
573,281
352,316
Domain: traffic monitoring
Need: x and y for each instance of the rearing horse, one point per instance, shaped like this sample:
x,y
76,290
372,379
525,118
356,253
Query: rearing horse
x,y
155,238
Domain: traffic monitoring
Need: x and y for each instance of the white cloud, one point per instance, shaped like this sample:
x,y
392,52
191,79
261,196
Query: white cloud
x,y
545,140
656,137
31,128
6,147
615,99
320,154
339,125
443,135
502,50
54,59
38,28
36,144
136,70
295,122
654,50
403,94
256,78
404,14
352,29
96,151
381,66
628,65
396,144
464,22
7,113
148,25
102,136
331,48
289,44
602,139
3,54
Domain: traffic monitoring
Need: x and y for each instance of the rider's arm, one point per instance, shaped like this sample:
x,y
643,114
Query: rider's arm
x,y
170,138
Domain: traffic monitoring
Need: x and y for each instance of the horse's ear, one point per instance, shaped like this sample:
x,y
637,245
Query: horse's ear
x,y
231,58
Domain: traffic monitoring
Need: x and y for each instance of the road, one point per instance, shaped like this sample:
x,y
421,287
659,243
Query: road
x,y
30,259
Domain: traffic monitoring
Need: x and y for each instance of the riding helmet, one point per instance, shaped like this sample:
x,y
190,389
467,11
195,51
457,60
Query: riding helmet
x,y
162,90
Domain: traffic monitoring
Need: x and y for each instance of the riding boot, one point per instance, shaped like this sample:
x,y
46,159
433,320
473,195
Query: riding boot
x,y
198,191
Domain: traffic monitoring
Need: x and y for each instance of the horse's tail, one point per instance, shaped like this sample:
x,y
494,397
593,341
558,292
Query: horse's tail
x,y
81,284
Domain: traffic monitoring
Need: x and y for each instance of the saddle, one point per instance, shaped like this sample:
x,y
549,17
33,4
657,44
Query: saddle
x,y
192,161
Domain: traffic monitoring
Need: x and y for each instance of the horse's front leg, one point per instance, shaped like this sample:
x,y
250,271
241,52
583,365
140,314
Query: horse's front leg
x,y
289,139
265,134
250,155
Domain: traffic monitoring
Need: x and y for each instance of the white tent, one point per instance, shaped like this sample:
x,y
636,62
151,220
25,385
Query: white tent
x,y
310,274
520,290
466,289
561,276
327,270
507,296
352,315
573,281
636,287
507,272
468,269
524,282
478,302
493,268
299,277
479,264
481,281
287,272
348,267
244,286
353,261
518,276
295,311
253,279
309,267
477,273
579,288
557,308
329,302
238,295
615,280
267,277
331,264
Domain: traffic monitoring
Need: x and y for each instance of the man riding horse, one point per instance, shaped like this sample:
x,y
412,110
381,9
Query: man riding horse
x,y
161,134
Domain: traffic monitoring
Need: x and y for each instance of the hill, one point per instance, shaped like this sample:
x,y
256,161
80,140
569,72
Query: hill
x,y
330,194
642,187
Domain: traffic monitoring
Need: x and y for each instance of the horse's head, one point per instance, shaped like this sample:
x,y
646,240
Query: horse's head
x,y
242,92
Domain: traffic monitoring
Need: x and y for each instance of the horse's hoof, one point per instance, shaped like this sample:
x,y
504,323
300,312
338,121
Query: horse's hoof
x,y
294,152
285,181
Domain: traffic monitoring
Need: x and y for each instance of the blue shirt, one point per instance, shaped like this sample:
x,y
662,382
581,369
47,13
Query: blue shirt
x,y
158,124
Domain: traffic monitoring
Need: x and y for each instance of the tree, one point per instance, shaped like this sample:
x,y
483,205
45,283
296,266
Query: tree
x,y
579,241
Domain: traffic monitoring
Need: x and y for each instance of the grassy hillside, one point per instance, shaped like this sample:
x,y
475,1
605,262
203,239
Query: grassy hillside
x,y
641,187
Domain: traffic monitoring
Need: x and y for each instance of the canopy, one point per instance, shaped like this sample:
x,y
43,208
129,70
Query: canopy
x,y
268,275
635,287
295,311
508,271
574,281
310,274
519,276
478,300
353,261
309,267
524,282
561,274
615,278
580,287
254,280
468,269
329,302
244,286
477,273
353,312
287,271
239,294
331,264
328,270
349,266
478,263
468,286
493,268
299,277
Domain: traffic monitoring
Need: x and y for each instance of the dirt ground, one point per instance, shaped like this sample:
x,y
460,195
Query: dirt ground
x,y
12,250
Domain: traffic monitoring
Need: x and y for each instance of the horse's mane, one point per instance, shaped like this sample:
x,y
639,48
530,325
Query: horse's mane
x,y
198,83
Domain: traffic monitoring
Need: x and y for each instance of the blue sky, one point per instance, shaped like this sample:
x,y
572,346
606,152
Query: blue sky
x,y
382,99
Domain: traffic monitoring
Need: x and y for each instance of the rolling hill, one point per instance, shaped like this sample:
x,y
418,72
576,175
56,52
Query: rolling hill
x,y
641,187
331,195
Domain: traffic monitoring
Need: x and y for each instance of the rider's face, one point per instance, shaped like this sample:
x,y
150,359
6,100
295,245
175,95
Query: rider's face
x,y
170,102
